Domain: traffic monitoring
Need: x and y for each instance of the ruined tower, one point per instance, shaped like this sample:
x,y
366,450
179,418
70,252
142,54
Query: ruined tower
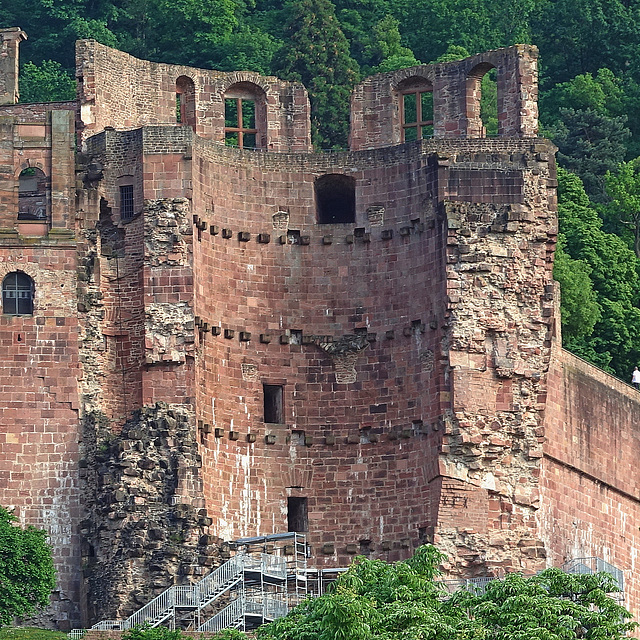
x,y
211,331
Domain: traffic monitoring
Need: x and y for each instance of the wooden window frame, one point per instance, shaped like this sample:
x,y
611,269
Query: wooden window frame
x,y
419,123
240,130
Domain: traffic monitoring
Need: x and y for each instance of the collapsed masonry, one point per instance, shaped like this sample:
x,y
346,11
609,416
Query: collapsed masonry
x,y
203,341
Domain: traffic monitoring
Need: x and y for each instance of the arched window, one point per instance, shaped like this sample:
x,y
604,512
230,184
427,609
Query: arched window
x,y
335,199
482,101
244,117
33,195
17,294
415,97
185,101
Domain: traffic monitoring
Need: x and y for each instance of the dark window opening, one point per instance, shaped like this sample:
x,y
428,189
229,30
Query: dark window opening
x,y
297,515
185,105
126,202
365,548
17,294
33,190
416,114
240,122
273,403
336,199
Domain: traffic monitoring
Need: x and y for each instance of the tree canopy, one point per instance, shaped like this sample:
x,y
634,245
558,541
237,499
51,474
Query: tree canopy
x,y
405,601
27,576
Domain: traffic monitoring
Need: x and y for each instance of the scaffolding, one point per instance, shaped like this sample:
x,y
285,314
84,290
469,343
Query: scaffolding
x,y
264,578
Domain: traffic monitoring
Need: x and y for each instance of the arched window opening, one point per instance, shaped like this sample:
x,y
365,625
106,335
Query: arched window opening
x,y
482,101
33,195
489,102
242,116
336,199
17,294
185,101
416,109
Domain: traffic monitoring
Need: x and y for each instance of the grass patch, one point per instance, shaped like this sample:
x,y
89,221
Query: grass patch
x,y
30,633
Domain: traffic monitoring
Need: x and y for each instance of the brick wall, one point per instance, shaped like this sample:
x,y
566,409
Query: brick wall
x,y
375,108
118,90
589,482
353,439
39,412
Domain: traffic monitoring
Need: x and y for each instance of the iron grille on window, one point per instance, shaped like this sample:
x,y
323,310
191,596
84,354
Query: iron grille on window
x,y
17,294
126,202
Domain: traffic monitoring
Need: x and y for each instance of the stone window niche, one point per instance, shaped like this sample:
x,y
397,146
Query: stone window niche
x,y
33,195
335,196
244,116
273,395
297,515
415,105
482,102
17,294
185,101
127,199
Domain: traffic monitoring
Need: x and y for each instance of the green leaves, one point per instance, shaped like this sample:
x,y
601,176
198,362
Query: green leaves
x,y
27,576
402,601
45,83
317,54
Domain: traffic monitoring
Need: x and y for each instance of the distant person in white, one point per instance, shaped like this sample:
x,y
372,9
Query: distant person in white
x,y
635,379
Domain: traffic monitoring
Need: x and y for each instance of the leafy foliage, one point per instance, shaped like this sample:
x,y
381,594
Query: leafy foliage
x,y
46,82
27,576
162,633
614,343
30,633
402,601
317,54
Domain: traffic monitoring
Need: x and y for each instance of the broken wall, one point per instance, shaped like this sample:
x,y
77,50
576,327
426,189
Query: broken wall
x,y
120,91
499,323
346,318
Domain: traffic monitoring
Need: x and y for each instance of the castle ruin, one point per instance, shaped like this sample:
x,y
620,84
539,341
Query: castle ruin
x,y
210,330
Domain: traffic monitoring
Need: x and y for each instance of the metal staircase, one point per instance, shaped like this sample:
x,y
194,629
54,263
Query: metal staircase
x,y
255,584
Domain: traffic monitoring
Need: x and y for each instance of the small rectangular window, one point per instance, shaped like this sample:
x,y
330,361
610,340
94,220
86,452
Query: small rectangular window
x,y
179,108
273,403
126,202
297,515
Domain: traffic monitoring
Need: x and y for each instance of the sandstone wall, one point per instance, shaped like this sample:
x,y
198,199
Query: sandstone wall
x,y
120,91
375,103
343,316
589,481
499,326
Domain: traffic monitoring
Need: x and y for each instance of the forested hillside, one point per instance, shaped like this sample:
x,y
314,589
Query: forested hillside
x,y
590,91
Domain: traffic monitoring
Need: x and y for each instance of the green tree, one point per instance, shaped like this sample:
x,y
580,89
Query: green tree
x,y
317,54
590,143
614,343
403,601
622,213
47,82
27,576
579,307
384,51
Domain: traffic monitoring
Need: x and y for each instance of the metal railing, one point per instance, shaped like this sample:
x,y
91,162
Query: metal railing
x,y
156,611
274,566
221,580
595,565
108,625
474,585
232,616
